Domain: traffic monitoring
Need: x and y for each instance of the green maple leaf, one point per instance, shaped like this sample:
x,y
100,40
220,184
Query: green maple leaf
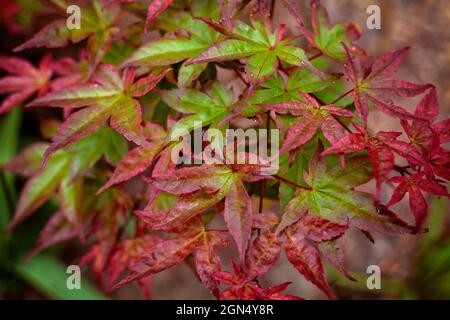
x,y
200,108
328,38
276,89
330,194
262,48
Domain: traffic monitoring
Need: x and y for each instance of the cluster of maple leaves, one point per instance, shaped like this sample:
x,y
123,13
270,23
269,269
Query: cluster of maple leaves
x,y
144,74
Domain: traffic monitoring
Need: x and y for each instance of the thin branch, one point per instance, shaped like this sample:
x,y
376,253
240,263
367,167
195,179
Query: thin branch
x,y
342,96
290,182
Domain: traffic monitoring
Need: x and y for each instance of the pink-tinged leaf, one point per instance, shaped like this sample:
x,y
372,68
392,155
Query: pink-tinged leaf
x,y
262,254
300,132
17,66
57,230
295,11
265,220
40,188
190,179
126,118
154,131
400,88
334,251
443,130
54,35
387,65
338,111
413,187
155,9
80,96
430,186
294,210
135,162
274,293
349,143
28,161
127,253
382,162
185,208
391,109
352,68
25,80
332,129
319,229
162,256
144,85
418,205
238,215
207,261
15,100
294,108
306,259
361,105
77,126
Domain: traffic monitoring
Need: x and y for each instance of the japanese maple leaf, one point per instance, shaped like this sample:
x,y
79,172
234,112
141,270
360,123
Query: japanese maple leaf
x,y
25,80
110,97
372,83
167,253
127,253
200,108
249,290
330,195
428,136
312,116
439,159
414,186
305,257
140,158
204,186
169,50
264,251
98,24
381,148
420,132
58,229
326,37
262,48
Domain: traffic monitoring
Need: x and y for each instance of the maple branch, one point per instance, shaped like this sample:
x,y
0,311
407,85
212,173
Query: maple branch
x,y
272,9
342,96
290,182
342,123
402,170
316,56
238,73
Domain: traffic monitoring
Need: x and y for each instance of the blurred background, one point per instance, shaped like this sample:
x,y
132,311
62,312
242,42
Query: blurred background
x,y
412,267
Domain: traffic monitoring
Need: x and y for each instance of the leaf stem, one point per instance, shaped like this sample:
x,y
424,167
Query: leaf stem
x,y
319,54
342,96
290,182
